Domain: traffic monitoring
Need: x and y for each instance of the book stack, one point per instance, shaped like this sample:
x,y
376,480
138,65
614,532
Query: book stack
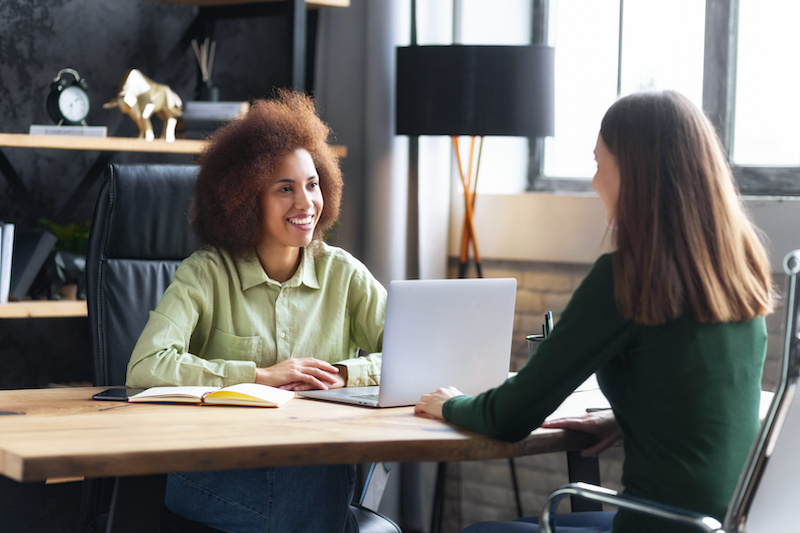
x,y
200,119
6,255
22,256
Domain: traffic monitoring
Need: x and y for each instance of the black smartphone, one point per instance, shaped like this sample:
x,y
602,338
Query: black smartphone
x,y
116,395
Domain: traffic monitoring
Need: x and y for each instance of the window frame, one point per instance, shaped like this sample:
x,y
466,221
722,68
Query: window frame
x,y
719,97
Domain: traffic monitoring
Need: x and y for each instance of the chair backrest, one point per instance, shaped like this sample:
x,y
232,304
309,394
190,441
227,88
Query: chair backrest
x,y
139,235
768,489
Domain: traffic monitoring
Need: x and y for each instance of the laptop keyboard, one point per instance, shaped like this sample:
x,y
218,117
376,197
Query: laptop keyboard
x,y
371,396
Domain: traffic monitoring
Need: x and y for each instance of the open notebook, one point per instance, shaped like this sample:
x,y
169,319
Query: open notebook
x,y
439,333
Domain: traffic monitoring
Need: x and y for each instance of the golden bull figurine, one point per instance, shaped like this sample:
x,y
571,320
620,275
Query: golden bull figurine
x,y
141,98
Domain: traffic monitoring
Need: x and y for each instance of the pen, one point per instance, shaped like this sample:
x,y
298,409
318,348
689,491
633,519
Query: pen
x,y
548,323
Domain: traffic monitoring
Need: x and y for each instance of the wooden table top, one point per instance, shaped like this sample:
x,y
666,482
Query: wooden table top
x,y
62,432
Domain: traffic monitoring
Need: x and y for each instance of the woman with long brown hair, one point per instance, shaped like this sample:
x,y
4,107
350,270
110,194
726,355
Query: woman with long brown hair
x,y
672,322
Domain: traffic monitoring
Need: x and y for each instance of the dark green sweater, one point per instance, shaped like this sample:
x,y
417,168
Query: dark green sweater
x,y
685,394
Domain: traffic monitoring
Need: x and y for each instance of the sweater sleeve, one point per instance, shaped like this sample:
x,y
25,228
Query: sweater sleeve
x,y
589,332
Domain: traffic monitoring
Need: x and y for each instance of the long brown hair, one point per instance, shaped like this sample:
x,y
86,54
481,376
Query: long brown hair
x,y
685,244
240,160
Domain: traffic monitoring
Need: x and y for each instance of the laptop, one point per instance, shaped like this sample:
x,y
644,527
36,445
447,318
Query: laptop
x,y
438,333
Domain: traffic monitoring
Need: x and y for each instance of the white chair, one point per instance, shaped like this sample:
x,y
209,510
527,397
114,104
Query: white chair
x,y
769,486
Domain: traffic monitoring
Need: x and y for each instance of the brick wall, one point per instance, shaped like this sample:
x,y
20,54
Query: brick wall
x,y
482,490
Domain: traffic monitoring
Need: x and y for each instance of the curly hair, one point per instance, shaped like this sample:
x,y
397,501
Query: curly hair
x,y
240,160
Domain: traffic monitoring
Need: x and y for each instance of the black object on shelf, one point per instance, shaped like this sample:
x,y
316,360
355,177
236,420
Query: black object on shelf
x,y
31,249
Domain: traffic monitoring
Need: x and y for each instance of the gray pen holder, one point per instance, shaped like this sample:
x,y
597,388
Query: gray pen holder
x,y
533,343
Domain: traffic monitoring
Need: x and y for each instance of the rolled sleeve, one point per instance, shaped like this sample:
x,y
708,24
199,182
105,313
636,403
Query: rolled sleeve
x,y
363,371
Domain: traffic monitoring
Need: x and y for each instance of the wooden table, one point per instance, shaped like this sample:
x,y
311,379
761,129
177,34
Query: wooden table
x,y
62,433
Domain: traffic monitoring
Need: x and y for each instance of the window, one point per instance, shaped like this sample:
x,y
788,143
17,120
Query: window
x,y
767,110
745,80
585,34
610,48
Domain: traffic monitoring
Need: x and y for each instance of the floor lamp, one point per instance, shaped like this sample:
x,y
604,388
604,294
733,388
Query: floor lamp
x,y
474,91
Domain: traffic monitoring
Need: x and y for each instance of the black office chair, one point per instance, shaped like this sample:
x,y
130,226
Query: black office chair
x,y
139,236
765,498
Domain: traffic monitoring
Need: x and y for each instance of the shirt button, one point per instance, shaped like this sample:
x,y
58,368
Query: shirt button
x,y
283,335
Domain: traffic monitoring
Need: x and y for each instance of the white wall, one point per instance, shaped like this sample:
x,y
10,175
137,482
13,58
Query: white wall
x,y
570,228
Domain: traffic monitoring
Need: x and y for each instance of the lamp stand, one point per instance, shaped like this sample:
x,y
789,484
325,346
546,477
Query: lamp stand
x,y
468,235
470,185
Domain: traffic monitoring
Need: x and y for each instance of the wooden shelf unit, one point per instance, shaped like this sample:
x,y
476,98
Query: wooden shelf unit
x,y
44,309
111,144
311,4
103,144
63,308
302,16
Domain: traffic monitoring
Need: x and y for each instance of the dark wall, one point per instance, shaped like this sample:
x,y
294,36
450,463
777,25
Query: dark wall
x,y
102,40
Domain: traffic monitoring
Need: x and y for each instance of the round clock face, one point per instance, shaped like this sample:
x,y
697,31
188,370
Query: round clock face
x,y
73,103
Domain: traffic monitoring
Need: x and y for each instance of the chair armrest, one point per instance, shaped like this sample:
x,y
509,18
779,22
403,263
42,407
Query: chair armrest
x,y
611,497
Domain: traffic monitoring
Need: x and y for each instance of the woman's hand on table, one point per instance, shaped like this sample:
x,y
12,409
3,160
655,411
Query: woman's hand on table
x,y
430,405
601,424
305,373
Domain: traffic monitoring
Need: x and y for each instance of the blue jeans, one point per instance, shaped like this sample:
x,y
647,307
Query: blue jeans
x,y
589,522
268,500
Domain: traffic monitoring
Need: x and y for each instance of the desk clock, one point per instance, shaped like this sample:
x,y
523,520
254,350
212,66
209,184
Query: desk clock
x,y
68,102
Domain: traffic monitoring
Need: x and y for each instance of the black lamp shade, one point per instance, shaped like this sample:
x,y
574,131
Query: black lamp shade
x,y
475,90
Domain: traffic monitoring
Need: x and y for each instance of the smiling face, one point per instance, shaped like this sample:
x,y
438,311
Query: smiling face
x,y
606,180
291,203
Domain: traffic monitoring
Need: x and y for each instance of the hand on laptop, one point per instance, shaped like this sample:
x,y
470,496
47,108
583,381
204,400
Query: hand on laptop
x,y
304,373
340,380
430,405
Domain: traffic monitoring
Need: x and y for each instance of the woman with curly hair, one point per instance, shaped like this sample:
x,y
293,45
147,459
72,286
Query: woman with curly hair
x,y
265,300
672,322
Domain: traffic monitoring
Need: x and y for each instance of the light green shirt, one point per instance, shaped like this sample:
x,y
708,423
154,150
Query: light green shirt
x,y
221,318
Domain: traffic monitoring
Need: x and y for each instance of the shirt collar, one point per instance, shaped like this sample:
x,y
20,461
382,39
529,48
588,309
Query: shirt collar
x,y
307,272
251,273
